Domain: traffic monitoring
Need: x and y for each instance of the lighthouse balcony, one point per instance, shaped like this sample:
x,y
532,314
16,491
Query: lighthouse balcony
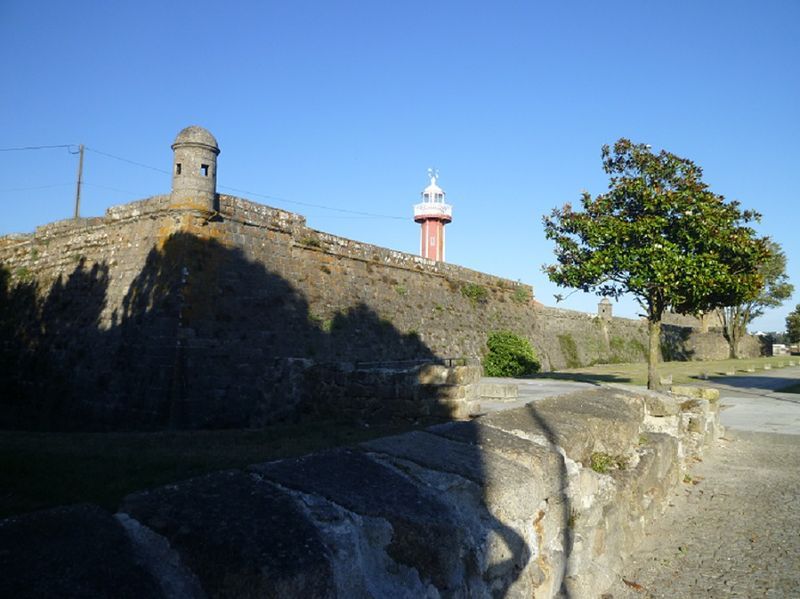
x,y
433,210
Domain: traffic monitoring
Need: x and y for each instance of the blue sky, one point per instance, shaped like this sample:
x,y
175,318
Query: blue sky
x,y
346,104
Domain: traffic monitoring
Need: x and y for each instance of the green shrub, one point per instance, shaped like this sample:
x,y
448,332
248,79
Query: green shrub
x,y
509,355
311,242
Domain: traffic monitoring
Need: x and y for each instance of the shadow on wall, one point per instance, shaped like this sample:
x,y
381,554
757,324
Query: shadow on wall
x,y
203,338
46,344
675,343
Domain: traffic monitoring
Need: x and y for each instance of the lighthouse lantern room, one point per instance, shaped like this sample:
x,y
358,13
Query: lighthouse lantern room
x,y
433,214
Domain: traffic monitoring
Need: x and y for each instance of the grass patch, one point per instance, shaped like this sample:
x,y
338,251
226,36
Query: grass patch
x,y
520,296
476,294
603,463
42,470
311,242
23,273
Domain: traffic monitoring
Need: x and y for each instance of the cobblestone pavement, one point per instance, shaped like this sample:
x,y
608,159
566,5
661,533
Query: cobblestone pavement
x,y
732,531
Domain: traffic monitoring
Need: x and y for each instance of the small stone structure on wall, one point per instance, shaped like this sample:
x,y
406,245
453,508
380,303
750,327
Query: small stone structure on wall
x,y
194,170
604,309
187,310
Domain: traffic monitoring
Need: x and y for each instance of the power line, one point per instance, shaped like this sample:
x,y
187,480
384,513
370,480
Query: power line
x,y
133,193
310,205
120,158
13,189
22,148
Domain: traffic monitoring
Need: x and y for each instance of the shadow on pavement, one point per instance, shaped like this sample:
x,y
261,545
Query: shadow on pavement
x,y
594,379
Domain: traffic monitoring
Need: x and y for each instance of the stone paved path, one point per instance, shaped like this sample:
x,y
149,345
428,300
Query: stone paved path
x,y
735,533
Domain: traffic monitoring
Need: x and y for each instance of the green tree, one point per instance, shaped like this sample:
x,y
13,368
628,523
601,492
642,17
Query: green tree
x,y
659,234
776,289
793,325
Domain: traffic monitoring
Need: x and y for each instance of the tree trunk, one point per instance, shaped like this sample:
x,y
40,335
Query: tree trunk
x,y
734,343
734,335
653,353
735,319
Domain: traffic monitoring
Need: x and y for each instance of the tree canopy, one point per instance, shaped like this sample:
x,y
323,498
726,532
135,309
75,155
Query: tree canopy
x,y
660,234
775,290
793,325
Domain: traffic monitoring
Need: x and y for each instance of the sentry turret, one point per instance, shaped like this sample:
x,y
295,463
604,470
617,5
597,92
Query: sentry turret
x,y
194,169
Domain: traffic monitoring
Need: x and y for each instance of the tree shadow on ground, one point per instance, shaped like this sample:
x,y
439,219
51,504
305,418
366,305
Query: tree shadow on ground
x,y
754,381
580,377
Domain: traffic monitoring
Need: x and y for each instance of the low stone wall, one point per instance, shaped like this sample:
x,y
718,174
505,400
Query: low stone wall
x,y
378,391
535,501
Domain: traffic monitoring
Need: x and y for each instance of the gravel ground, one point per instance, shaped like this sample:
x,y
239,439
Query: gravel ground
x,y
732,531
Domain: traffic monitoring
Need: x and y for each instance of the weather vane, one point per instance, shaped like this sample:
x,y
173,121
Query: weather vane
x,y
433,173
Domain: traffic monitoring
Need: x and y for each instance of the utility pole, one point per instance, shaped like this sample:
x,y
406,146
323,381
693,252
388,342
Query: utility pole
x,y
80,179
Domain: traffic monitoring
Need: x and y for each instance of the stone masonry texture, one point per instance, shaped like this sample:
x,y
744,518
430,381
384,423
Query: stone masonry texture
x,y
155,316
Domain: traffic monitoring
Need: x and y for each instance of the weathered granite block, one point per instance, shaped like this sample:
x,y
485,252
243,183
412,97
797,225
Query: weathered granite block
x,y
426,536
582,423
537,458
240,536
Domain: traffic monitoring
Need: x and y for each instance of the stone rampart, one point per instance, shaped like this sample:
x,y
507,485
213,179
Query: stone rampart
x,y
544,500
156,316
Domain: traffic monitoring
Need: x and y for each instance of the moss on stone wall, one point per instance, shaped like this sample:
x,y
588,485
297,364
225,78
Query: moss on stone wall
x,y
570,350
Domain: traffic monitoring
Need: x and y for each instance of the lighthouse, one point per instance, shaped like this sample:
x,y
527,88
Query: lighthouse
x,y
433,214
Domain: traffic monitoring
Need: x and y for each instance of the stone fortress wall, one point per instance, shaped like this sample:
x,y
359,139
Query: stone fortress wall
x,y
196,312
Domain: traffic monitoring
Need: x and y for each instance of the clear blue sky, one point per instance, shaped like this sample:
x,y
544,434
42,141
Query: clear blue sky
x,y
345,104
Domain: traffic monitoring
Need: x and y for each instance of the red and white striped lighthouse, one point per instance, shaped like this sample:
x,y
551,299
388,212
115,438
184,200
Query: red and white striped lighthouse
x,y
433,214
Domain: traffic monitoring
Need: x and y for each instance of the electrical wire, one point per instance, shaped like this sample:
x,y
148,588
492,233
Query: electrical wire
x,y
13,189
126,191
120,158
310,205
19,149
